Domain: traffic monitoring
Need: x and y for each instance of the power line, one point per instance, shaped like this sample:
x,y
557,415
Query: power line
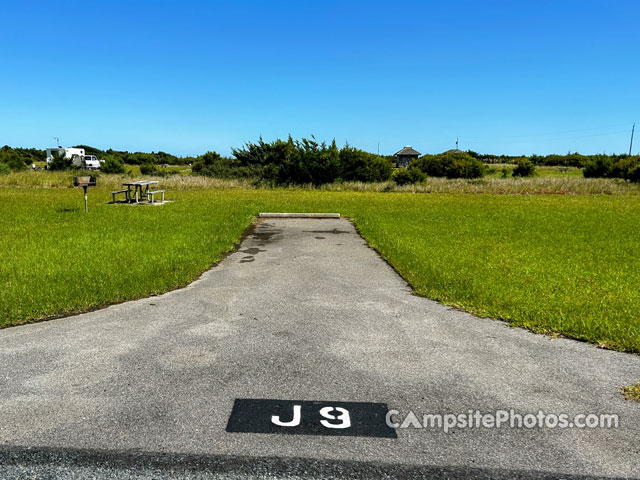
x,y
553,133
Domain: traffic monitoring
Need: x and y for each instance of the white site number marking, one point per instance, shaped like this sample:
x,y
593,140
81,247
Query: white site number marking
x,y
293,423
345,420
342,417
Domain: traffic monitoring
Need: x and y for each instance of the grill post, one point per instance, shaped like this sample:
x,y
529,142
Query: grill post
x,y
84,182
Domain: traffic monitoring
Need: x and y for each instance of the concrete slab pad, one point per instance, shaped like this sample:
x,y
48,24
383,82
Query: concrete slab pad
x,y
298,215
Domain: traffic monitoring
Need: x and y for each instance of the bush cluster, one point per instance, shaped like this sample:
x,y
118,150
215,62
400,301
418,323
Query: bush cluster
x,y
524,168
450,165
304,161
406,176
20,158
112,164
212,164
627,167
554,160
147,169
60,162
361,166
137,158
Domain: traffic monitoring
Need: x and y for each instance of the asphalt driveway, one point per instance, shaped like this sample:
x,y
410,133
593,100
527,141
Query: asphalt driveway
x,y
303,312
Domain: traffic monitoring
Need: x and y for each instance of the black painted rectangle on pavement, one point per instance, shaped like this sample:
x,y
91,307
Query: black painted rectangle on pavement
x,y
356,419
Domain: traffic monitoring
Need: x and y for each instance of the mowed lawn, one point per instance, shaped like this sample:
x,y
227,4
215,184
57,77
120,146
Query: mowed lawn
x,y
553,264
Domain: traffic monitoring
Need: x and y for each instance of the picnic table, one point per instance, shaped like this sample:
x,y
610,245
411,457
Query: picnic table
x,y
140,189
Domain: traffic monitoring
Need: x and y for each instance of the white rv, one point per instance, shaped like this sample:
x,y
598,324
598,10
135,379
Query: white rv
x,y
77,156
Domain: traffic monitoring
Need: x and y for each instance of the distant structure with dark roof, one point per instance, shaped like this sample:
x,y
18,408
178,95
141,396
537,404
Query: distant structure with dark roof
x,y
404,156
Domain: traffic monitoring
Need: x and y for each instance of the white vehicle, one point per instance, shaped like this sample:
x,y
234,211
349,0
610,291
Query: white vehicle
x,y
77,156
90,162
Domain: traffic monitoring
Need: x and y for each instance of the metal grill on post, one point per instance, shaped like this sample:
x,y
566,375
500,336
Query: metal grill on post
x,y
84,182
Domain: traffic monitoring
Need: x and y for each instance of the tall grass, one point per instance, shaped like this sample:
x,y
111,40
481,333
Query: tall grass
x,y
547,185
565,184
64,179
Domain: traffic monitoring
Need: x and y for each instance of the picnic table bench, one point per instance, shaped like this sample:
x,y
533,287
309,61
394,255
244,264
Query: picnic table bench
x,y
150,195
117,192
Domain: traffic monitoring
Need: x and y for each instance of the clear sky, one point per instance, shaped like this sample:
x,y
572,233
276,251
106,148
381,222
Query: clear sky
x,y
190,76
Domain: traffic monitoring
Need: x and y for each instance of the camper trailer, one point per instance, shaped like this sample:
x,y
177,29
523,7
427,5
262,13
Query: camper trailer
x,y
77,156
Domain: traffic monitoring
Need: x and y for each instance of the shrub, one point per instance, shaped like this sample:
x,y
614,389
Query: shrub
x,y
633,173
505,173
60,162
15,159
432,165
524,168
147,169
406,176
627,168
205,162
465,168
212,164
291,162
112,165
598,166
568,160
360,166
26,155
450,165
15,163
4,169
316,162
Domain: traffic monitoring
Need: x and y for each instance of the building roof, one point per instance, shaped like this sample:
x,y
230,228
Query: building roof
x,y
408,151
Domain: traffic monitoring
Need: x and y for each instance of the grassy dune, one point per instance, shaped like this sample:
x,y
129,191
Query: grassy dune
x,y
563,264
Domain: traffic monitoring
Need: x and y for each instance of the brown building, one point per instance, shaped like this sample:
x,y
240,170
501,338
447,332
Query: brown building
x,y
404,156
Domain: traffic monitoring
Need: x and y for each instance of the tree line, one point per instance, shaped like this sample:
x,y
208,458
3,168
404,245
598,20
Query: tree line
x,y
307,161
137,158
13,159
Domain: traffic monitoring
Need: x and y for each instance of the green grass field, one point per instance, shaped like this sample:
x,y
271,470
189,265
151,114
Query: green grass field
x,y
550,263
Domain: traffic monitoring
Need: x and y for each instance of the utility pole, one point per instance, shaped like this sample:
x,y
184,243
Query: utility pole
x,y
631,144
456,143
378,148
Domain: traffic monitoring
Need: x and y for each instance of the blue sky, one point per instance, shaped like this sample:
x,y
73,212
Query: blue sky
x,y
191,76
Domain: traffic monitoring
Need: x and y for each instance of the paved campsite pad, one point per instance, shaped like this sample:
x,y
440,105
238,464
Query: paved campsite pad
x,y
304,310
